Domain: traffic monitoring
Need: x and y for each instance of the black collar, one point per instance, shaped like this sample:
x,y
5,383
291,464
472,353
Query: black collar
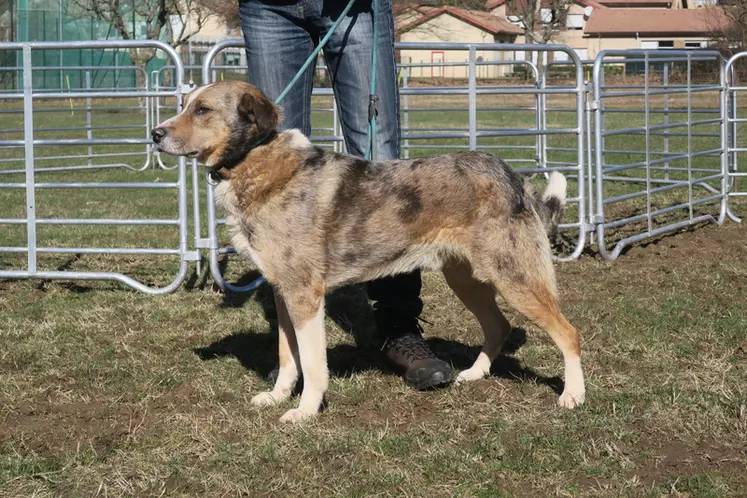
x,y
215,174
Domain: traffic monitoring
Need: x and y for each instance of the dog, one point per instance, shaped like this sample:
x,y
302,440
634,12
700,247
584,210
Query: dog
x,y
314,220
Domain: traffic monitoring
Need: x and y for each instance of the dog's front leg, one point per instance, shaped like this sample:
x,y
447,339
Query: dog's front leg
x,y
306,310
288,359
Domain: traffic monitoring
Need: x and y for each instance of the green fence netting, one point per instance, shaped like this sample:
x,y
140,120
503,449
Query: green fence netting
x,y
71,68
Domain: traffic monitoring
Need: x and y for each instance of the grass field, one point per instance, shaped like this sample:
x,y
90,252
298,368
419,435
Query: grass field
x,y
108,392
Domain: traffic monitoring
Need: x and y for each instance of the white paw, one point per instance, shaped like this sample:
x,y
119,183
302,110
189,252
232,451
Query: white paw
x,y
296,415
267,398
571,400
469,375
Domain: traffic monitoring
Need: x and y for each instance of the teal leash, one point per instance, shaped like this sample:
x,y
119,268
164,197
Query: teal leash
x,y
373,99
316,51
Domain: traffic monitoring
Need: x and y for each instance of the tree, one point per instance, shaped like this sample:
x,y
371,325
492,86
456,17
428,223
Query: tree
x,y
179,20
728,22
541,20
228,12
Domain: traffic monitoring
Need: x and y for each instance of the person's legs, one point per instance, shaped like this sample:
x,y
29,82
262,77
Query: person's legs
x,y
278,41
397,303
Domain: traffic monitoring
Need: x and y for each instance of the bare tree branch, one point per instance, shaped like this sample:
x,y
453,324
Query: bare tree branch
x,y
540,20
728,25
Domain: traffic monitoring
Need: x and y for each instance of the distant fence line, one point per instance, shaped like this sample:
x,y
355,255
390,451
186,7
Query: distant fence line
x,y
645,156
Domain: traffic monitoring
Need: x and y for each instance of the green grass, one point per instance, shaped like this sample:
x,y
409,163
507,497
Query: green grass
x,y
108,392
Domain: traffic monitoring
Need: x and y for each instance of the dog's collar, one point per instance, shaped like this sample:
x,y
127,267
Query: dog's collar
x,y
215,174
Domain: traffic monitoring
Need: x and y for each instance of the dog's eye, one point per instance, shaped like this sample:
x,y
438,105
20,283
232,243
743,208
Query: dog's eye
x,y
202,110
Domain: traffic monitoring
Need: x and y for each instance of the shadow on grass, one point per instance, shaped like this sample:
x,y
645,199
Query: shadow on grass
x,y
257,352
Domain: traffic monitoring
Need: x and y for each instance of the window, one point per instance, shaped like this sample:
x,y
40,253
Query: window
x,y
232,59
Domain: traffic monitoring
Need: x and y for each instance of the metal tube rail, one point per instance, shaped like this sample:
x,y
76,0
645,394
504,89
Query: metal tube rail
x,y
672,184
88,221
665,126
676,91
126,185
649,161
659,212
93,250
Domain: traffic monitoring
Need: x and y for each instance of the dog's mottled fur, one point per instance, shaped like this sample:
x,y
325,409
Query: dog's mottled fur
x,y
313,220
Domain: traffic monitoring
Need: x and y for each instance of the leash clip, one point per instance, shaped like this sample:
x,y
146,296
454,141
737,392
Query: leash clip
x,y
373,110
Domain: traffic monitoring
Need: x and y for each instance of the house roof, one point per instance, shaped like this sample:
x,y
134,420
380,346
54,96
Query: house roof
x,y
664,22
483,20
491,4
636,3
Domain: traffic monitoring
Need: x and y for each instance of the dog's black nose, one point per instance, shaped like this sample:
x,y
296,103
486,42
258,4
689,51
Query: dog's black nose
x,y
158,134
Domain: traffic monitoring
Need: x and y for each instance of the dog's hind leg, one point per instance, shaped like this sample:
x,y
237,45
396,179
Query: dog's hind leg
x,y
479,298
532,293
306,310
288,360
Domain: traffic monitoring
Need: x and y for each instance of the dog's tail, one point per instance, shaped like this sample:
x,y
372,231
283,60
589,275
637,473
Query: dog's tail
x,y
553,201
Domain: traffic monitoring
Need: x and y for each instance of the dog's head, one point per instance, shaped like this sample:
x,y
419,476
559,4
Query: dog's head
x,y
219,124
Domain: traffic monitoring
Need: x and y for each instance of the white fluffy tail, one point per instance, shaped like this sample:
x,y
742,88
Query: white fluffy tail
x,y
554,200
556,188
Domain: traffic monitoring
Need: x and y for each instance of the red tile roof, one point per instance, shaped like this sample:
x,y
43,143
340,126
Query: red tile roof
x,y
635,3
484,20
661,22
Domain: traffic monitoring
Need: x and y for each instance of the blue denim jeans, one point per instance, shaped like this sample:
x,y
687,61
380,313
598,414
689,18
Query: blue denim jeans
x,y
280,35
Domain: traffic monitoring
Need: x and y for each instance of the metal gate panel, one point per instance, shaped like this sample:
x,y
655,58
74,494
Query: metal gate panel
x,y
48,210
735,140
659,156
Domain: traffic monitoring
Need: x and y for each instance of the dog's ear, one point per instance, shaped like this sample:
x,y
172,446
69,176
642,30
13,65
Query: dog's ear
x,y
259,109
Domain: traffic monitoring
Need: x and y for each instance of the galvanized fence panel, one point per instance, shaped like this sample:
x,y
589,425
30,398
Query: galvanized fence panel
x,y
644,155
45,203
658,145
735,142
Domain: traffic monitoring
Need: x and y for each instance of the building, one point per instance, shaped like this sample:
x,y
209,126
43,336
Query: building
x,y
572,35
639,28
591,26
451,24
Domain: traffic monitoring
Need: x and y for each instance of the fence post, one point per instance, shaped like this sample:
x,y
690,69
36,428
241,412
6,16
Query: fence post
x,y
336,129
731,80
89,120
666,119
406,113
28,130
647,114
689,138
472,99
590,144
